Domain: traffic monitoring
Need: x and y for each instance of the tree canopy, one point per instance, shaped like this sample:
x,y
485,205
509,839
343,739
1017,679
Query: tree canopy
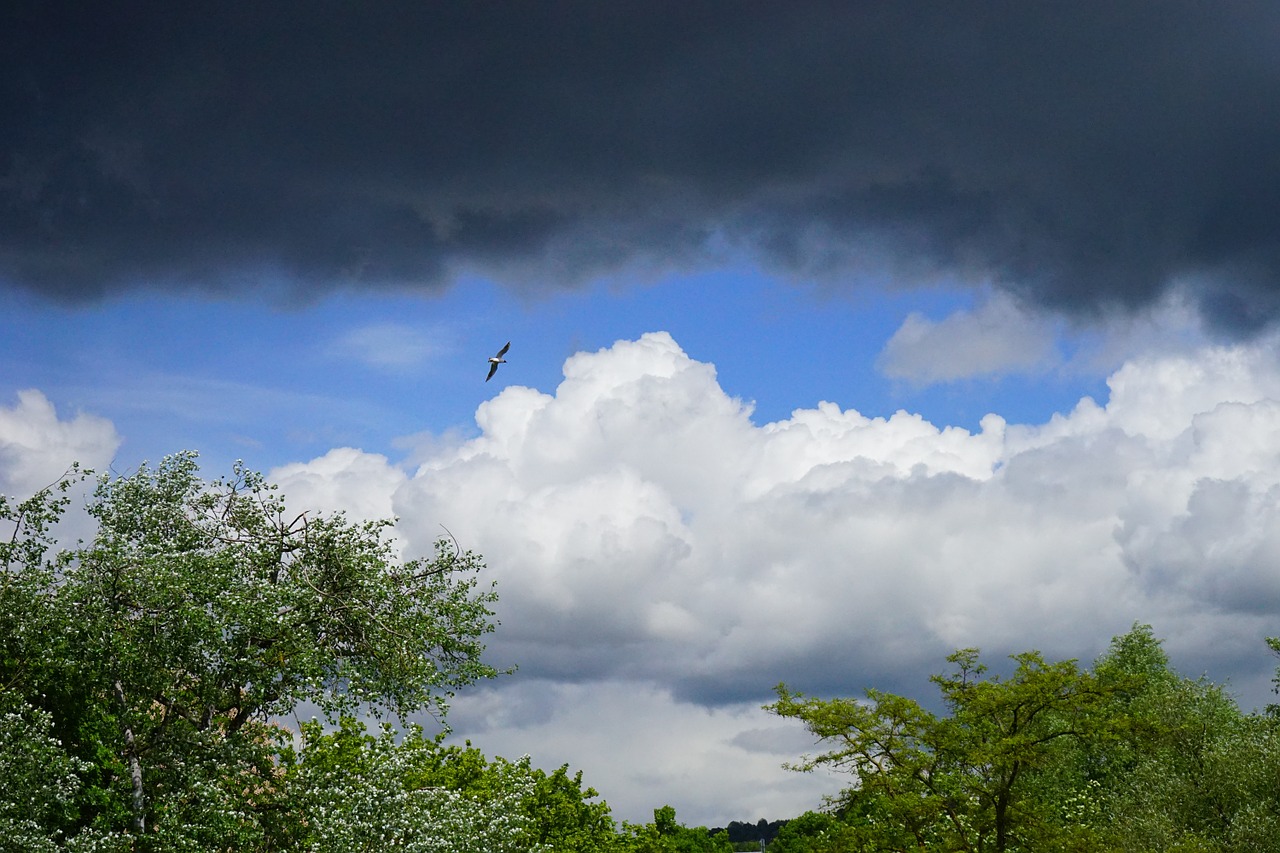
x,y
160,651
1127,757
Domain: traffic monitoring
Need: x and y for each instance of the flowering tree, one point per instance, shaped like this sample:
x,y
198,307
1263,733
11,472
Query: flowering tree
x,y
162,649
40,777
354,792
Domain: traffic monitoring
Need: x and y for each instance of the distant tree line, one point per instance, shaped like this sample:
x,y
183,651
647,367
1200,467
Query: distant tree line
x,y
741,832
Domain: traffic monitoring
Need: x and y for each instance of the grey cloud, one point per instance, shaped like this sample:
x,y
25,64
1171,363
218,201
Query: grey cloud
x,y
1220,551
785,741
996,337
1087,156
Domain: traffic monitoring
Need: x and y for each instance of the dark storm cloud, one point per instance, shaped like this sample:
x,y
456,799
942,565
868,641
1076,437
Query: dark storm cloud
x,y
1083,154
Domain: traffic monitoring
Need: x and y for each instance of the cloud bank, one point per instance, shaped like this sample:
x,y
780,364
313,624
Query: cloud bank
x,y
663,560
648,536
1089,157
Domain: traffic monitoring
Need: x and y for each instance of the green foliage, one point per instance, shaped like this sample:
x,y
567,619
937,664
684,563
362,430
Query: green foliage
x,y
747,835
564,819
1191,772
665,835
40,779
355,792
539,810
30,573
141,674
1128,757
158,653
811,832
965,781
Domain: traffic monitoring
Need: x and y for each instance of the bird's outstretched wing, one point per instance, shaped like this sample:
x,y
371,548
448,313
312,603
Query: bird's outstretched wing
x,y
493,368
503,351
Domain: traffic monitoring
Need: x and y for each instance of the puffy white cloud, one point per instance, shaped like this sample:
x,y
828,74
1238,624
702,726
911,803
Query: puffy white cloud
x,y
361,484
655,548
663,560
37,447
996,337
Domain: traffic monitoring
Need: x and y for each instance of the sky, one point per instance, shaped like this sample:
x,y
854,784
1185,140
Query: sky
x,y
843,335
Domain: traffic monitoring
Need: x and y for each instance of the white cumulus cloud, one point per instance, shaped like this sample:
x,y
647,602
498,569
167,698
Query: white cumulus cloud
x,y
663,560
644,531
37,446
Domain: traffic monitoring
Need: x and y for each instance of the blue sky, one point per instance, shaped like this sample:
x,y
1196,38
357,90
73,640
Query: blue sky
x,y
271,382
842,336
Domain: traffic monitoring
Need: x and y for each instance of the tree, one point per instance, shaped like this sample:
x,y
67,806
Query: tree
x,y
666,835
400,785
355,793
1130,757
162,649
971,780
811,832
1189,770
564,818
747,835
40,779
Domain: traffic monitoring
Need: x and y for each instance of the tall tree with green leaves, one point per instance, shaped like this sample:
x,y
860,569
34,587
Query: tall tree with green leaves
x,y
1130,757
1189,770
163,648
353,792
666,835
352,785
968,780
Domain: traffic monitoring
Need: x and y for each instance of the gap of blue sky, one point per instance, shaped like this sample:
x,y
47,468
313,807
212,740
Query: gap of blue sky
x,y
273,384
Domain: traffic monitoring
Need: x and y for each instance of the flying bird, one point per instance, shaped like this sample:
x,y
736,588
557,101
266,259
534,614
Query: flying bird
x,y
495,360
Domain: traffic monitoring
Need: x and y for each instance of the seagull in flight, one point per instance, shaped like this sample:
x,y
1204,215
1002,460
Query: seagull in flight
x,y
495,360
